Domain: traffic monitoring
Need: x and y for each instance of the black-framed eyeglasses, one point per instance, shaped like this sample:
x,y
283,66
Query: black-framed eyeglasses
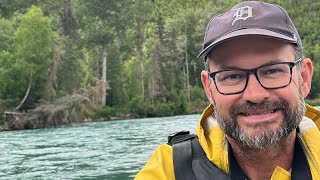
x,y
270,76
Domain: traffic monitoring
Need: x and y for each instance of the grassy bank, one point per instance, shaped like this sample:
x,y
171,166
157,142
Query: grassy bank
x,y
313,102
137,108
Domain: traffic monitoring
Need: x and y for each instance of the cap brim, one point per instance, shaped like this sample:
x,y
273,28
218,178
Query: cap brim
x,y
247,32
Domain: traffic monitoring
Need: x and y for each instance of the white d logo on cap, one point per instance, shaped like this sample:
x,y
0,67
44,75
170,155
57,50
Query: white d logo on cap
x,y
242,13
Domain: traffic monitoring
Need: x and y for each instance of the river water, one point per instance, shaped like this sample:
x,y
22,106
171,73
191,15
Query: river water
x,y
114,150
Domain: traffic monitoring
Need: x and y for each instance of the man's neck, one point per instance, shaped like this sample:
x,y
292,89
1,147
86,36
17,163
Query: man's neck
x,y
260,164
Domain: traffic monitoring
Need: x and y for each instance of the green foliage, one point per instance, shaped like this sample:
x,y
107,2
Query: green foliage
x,y
131,71
315,86
6,58
9,7
199,99
313,102
140,107
74,69
32,49
171,104
197,93
34,54
148,43
6,28
116,96
104,113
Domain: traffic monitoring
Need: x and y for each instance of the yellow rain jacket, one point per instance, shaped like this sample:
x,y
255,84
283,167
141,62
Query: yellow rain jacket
x,y
212,140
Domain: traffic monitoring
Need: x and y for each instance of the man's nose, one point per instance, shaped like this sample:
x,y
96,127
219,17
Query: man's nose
x,y
254,92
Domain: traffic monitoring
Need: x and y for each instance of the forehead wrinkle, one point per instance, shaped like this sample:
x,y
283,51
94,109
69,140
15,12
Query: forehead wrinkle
x,y
228,67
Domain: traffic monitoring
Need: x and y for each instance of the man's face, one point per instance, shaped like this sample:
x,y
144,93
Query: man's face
x,y
257,117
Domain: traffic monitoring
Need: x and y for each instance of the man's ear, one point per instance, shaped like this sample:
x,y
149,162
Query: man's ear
x,y
306,74
206,85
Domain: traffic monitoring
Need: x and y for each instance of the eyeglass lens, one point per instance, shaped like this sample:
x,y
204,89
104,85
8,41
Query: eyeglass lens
x,y
270,76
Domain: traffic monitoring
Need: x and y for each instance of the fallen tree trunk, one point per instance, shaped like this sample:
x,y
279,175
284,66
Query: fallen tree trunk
x,y
64,110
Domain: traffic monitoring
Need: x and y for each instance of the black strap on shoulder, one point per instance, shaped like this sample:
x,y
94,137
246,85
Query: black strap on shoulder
x,y
190,161
179,137
202,167
182,154
300,165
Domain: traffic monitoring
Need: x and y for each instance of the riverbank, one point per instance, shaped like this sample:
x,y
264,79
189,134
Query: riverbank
x,y
147,110
21,121
52,115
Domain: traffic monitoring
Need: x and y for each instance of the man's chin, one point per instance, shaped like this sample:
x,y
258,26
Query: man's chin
x,y
260,136
256,132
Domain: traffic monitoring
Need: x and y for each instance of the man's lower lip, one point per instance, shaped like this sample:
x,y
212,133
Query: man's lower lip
x,y
258,117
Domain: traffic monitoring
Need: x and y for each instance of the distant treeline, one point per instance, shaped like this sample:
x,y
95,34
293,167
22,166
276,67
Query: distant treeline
x,y
146,50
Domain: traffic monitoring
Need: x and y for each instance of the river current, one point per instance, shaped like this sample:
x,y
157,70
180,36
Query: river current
x,y
114,150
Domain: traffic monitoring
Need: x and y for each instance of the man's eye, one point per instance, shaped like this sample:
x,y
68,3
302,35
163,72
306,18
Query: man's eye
x,y
230,77
233,76
273,71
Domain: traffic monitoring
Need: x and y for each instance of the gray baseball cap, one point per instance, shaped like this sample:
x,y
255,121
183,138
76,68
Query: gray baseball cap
x,y
250,18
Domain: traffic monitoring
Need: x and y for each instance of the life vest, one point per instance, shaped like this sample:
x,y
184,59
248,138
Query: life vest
x,y
191,163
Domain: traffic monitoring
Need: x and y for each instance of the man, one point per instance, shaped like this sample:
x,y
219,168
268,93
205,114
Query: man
x,y
256,79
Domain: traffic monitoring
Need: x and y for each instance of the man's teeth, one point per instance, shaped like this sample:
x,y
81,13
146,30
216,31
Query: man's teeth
x,y
258,113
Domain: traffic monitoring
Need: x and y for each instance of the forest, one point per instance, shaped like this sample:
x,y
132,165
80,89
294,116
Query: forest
x,y
71,61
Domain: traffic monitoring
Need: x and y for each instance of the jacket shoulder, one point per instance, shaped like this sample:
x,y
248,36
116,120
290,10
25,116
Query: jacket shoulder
x,y
159,165
314,114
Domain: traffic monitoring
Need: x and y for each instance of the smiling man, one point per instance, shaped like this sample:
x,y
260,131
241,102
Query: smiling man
x,y
257,126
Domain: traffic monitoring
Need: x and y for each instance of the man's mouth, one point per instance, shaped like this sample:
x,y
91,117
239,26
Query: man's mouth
x,y
258,116
257,112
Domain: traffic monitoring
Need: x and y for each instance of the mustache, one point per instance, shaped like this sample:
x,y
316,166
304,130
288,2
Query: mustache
x,y
266,105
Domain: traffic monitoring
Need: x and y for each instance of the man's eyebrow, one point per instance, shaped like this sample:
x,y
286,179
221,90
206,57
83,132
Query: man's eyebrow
x,y
223,66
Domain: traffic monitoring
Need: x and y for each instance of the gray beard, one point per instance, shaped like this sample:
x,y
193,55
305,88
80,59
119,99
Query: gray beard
x,y
267,138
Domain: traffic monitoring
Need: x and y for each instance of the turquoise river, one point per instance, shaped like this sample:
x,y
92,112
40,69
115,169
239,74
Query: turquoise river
x,y
114,150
